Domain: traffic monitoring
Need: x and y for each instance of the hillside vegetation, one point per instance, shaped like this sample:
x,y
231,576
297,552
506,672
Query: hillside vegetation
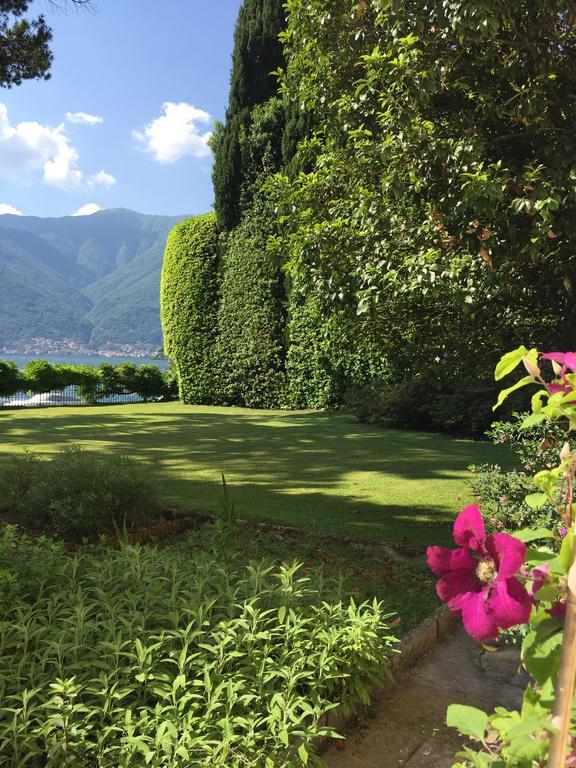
x,y
93,279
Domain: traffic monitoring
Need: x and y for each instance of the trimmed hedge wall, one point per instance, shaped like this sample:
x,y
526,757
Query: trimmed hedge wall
x,y
250,346
236,338
189,298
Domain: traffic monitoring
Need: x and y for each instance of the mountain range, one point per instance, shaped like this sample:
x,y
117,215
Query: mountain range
x,y
93,279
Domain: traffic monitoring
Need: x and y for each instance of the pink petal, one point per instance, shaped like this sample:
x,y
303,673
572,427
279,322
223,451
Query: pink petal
x,y
558,610
508,552
455,587
441,560
478,618
510,603
469,529
539,576
567,359
555,388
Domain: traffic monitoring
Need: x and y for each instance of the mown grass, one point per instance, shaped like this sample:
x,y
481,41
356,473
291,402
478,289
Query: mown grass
x,y
312,469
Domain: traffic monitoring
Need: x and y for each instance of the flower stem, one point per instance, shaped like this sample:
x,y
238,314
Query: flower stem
x,y
566,678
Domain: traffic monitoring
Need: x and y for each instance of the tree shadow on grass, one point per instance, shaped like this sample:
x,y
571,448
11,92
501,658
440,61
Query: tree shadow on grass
x,y
314,469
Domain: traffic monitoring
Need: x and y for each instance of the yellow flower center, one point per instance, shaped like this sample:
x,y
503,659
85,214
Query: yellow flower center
x,y
486,571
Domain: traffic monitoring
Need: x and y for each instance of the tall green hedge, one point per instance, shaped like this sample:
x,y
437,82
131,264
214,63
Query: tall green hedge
x,y
189,305
250,346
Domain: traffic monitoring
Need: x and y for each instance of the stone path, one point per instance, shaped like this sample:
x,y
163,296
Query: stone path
x,y
406,726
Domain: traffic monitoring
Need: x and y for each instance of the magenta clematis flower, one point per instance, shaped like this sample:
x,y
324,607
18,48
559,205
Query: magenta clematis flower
x,y
568,362
566,359
478,580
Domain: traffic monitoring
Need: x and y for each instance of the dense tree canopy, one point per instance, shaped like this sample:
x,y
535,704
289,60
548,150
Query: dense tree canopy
x,y
441,197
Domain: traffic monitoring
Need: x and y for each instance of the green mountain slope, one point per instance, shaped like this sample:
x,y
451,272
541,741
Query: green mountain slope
x,y
94,279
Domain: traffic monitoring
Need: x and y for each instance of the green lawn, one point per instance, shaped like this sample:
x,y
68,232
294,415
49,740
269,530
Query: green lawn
x,y
304,468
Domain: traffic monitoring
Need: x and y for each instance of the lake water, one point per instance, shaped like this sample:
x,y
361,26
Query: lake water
x,y
95,360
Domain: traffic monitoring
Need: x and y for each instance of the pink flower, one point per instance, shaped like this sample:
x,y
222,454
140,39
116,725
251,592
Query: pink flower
x,y
566,359
540,576
568,362
558,610
478,580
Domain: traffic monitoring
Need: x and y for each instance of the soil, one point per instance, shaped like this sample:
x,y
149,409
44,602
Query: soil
x,y
406,726
163,526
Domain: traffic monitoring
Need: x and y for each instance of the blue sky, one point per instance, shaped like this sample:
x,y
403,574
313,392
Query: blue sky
x,y
124,120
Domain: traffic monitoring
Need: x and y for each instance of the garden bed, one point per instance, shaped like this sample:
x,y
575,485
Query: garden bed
x,y
174,656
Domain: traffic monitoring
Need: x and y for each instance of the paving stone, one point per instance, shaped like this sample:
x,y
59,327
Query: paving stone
x,y
407,725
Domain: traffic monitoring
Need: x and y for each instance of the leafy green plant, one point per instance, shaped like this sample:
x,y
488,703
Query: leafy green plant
x,y
250,346
167,657
76,491
27,566
91,384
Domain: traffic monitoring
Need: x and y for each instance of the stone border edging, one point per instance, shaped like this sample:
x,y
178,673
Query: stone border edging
x,y
413,647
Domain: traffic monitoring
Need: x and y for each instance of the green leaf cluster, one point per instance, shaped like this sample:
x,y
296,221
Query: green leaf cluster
x,y
430,123
173,658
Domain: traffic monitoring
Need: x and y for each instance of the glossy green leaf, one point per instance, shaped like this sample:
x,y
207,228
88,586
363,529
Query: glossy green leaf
x,y
470,721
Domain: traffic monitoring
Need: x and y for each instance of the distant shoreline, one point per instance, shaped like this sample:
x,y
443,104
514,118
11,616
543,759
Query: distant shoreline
x,y
40,353
96,359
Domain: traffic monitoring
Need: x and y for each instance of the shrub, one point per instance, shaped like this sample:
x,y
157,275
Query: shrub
x,y
503,499
189,305
127,377
27,566
75,491
109,379
150,382
536,446
10,379
168,658
429,403
310,378
503,494
42,376
86,379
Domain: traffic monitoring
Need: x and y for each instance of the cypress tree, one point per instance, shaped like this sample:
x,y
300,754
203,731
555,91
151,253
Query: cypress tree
x,y
257,53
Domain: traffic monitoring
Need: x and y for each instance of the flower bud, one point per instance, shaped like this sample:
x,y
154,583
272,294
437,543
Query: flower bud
x,y
531,367
565,452
557,368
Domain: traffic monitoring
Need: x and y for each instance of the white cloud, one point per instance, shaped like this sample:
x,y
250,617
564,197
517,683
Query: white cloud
x,y
87,210
175,133
5,208
30,147
83,118
102,178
